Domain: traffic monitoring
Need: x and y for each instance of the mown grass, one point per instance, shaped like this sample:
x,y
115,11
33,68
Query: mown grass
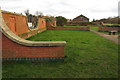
x,y
72,26
94,28
88,56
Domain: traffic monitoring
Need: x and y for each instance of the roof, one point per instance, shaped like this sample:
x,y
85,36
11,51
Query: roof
x,y
81,16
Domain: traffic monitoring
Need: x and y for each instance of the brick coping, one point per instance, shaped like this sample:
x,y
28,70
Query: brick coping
x,y
7,32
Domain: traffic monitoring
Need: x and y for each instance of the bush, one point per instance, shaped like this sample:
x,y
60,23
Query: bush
x,y
61,21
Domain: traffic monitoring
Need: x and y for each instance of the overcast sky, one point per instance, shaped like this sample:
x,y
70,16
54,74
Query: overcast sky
x,y
93,9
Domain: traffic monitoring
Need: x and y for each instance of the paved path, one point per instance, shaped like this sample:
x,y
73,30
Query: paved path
x,y
113,38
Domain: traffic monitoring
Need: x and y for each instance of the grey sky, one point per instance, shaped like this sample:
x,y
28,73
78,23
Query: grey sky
x,y
96,9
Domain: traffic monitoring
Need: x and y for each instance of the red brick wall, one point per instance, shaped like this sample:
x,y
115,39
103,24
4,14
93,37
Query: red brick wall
x,y
108,28
31,33
41,23
11,49
68,28
18,23
51,23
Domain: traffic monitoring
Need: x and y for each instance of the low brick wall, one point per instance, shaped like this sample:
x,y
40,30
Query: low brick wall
x,y
31,33
69,28
109,28
12,50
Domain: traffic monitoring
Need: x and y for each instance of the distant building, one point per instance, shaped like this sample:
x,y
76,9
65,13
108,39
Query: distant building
x,y
77,21
81,18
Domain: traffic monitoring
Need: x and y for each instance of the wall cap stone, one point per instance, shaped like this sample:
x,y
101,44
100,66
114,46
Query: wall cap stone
x,y
18,14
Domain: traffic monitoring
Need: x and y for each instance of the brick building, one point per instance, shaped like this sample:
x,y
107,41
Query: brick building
x,y
81,18
76,21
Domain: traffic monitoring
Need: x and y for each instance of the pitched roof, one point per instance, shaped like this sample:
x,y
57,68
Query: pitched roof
x,y
81,16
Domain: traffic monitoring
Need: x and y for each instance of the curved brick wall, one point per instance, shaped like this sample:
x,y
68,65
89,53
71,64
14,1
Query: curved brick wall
x,y
16,48
18,24
51,23
13,50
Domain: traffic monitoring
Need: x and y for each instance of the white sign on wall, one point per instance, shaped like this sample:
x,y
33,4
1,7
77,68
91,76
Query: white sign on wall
x,y
30,24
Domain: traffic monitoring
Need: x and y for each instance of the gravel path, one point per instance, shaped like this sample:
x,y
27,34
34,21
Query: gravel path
x,y
113,38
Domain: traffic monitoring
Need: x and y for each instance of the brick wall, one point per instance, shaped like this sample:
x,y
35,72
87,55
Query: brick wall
x,y
31,33
69,28
109,28
41,23
51,23
18,24
13,50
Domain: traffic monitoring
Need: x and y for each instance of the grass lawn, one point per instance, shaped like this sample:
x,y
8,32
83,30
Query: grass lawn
x,y
94,28
88,56
74,26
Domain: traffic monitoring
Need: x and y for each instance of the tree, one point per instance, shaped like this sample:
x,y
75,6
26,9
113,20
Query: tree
x,y
61,21
48,19
27,12
93,20
39,14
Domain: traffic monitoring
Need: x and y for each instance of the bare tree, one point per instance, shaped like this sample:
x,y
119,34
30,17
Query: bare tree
x,y
27,12
39,14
